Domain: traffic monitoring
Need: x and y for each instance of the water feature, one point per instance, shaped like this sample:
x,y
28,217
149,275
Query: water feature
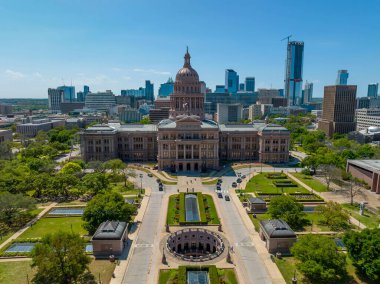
x,y
89,248
67,211
20,247
191,207
309,208
197,277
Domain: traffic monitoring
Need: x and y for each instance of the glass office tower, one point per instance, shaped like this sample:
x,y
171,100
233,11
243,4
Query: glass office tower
x,y
342,77
293,72
231,81
250,84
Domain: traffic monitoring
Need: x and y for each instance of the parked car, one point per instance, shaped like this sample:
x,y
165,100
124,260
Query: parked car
x,y
160,188
150,175
158,180
220,180
239,180
155,167
234,184
220,195
227,198
243,177
218,187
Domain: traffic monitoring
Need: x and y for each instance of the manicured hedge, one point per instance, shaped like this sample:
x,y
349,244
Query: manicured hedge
x,y
182,210
284,183
201,206
276,176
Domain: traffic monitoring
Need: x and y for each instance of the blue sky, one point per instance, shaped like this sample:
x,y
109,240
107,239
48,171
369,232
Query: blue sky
x,y
115,44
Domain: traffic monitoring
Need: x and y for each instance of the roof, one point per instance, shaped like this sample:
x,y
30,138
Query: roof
x,y
255,200
370,165
277,228
170,123
110,230
240,127
128,127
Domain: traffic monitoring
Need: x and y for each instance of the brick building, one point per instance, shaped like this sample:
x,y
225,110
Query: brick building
x,y
338,114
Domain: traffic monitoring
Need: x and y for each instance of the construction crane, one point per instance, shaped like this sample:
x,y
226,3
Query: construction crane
x,y
288,37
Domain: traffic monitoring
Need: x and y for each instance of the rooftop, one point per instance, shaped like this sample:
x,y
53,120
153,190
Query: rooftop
x,y
255,200
277,228
110,230
371,165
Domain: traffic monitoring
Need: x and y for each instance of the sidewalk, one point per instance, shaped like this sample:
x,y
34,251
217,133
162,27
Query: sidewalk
x,y
122,267
326,197
272,268
22,230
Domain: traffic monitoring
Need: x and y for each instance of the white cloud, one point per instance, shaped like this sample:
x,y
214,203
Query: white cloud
x,y
153,71
14,75
127,78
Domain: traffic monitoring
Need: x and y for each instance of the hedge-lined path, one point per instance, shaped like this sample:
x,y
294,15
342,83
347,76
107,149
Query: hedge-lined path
x,y
23,229
327,196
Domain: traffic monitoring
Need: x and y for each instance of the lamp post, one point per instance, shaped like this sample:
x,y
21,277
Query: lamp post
x,y
141,176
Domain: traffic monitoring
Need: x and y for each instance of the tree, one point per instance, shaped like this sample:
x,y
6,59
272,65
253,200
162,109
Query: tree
x,y
6,150
333,215
96,182
12,205
311,162
288,209
71,168
60,258
329,172
364,250
103,207
116,166
320,262
354,187
63,184
145,120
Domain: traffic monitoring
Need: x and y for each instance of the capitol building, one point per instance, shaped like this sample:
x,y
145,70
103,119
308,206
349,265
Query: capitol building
x,y
186,141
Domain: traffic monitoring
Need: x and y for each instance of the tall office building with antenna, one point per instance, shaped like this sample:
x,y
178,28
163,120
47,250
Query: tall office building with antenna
x,y
293,72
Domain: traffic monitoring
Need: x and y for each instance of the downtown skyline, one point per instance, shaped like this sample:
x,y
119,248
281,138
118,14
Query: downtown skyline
x,y
115,47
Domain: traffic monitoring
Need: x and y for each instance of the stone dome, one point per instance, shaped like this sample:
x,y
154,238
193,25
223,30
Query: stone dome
x,y
187,74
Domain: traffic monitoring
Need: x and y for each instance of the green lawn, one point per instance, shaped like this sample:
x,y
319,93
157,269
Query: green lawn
x,y
313,220
227,275
175,212
168,276
259,217
369,219
308,180
51,225
287,265
214,219
171,218
260,183
15,272
104,267
6,237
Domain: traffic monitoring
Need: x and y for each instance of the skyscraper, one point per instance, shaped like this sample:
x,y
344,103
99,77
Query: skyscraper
x,y
166,89
55,98
373,90
231,81
68,93
342,77
149,91
241,87
338,113
250,84
293,72
307,92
